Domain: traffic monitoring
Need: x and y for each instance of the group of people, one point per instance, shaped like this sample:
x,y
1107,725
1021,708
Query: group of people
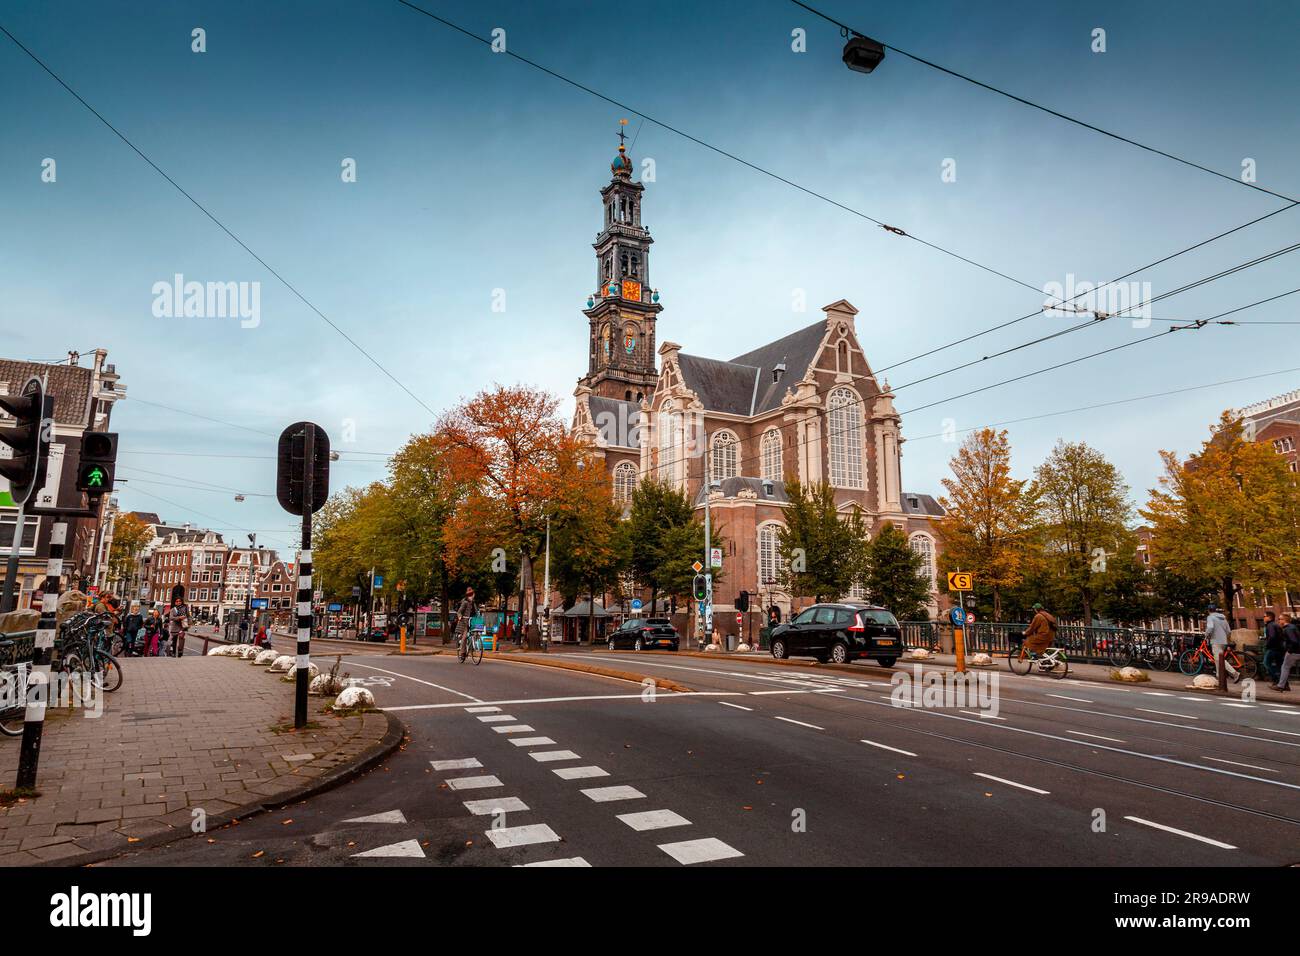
x,y
152,632
1281,648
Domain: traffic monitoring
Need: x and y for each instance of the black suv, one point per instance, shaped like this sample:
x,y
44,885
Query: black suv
x,y
840,633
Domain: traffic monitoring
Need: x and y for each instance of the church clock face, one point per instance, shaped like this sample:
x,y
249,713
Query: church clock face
x,y
632,290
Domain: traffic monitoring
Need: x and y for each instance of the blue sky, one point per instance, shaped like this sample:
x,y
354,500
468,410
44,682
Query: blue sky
x,y
475,172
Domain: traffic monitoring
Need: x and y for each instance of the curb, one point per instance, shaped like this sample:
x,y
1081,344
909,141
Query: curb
x,y
115,845
660,683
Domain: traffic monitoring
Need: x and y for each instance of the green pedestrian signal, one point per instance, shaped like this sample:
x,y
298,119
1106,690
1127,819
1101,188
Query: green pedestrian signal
x,y
98,458
95,477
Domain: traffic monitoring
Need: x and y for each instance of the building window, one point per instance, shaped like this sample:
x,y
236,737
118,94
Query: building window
x,y
1284,445
845,426
842,356
670,437
923,545
624,482
771,455
770,563
723,456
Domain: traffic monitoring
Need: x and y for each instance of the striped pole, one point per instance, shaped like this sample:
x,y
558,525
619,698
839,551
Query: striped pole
x,y
38,682
304,582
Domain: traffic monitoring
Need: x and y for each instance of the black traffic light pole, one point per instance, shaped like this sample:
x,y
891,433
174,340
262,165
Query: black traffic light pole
x,y
38,681
304,583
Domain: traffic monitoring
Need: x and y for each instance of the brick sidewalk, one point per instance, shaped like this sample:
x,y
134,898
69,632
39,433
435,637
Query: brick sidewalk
x,y
178,735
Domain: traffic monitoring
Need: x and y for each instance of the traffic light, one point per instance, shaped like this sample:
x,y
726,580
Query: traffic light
x,y
98,459
291,467
27,438
701,588
742,602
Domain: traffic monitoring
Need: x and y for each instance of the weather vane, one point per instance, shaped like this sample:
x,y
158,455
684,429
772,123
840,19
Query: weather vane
x,y
622,131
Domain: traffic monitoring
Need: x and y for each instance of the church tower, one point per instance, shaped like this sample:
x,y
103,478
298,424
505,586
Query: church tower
x,y
622,312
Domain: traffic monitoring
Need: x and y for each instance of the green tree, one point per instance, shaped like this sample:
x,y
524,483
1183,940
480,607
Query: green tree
x,y
1230,514
894,576
823,553
1083,508
130,537
664,539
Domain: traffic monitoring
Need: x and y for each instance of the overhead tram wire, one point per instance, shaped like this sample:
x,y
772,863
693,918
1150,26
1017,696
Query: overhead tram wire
x,y
1046,109
720,151
222,226
1118,401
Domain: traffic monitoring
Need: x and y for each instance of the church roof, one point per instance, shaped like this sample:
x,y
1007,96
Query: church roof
x,y
744,385
730,487
924,505
618,422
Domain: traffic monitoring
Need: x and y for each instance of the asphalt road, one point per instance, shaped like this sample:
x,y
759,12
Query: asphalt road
x,y
510,763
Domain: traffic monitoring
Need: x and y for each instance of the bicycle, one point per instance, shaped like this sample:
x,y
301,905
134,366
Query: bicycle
x,y
1143,652
1051,662
470,645
86,655
1202,660
13,692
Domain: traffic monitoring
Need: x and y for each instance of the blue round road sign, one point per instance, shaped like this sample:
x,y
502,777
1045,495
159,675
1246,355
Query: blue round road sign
x,y
957,616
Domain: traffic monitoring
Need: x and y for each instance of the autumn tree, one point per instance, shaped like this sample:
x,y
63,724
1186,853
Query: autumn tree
x,y
663,539
823,552
895,577
1084,510
1230,514
130,537
988,515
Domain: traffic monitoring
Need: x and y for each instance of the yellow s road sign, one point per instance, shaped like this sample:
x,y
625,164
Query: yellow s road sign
x,y
960,581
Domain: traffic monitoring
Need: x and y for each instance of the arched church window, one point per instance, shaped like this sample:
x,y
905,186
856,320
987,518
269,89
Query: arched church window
x,y
723,455
624,482
636,266
844,424
623,263
770,453
770,563
923,545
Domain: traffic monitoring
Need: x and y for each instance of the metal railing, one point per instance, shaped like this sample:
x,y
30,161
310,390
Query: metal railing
x,y
18,647
1093,645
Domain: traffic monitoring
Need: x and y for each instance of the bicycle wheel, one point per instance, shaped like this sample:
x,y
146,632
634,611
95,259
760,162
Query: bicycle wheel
x,y
1190,663
1121,654
108,672
476,650
1160,658
1060,666
1019,661
1248,666
11,721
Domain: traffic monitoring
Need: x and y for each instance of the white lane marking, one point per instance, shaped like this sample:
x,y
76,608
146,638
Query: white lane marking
x,y
530,741
1012,783
391,816
660,695
466,763
765,693
568,861
983,715
514,729
727,703
1147,720
1227,703
502,837
1282,709
1272,731
1157,693
700,851
791,720
482,808
580,773
427,683
497,718
1190,836
1081,700
906,753
481,710
607,794
1165,713
473,783
405,848
1236,764
1080,733
654,820
550,756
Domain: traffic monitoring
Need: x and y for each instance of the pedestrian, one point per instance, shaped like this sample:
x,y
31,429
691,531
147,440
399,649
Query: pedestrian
x,y
1274,646
152,632
1219,636
178,621
1291,643
131,628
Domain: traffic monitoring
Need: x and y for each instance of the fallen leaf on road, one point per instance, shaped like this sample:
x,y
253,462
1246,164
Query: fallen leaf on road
x,y
469,842
285,823
258,854
901,777
210,840
759,782
131,839
748,808
352,843
988,794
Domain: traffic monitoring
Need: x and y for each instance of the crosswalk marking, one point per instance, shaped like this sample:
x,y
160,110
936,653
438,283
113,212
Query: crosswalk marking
x,y
530,741
473,783
654,820
465,763
569,861
391,816
405,848
482,808
497,718
514,729
502,837
700,851
550,756
607,794
481,710
580,773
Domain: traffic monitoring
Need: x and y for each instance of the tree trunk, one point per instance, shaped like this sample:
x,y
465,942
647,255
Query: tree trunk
x,y
997,605
1229,594
446,604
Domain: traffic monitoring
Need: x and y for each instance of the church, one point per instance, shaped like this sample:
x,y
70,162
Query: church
x,y
807,406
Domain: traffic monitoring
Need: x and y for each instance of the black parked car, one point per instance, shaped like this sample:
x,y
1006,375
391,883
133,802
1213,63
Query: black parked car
x,y
644,633
840,633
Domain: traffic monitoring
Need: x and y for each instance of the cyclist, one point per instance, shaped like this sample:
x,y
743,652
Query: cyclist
x,y
1041,632
464,613
1218,634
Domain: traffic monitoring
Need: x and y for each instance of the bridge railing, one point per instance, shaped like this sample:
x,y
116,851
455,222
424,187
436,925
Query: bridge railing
x,y
1094,645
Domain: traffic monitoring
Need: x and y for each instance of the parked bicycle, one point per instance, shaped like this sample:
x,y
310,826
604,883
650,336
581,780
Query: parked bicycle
x,y
1201,660
13,690
1142,652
